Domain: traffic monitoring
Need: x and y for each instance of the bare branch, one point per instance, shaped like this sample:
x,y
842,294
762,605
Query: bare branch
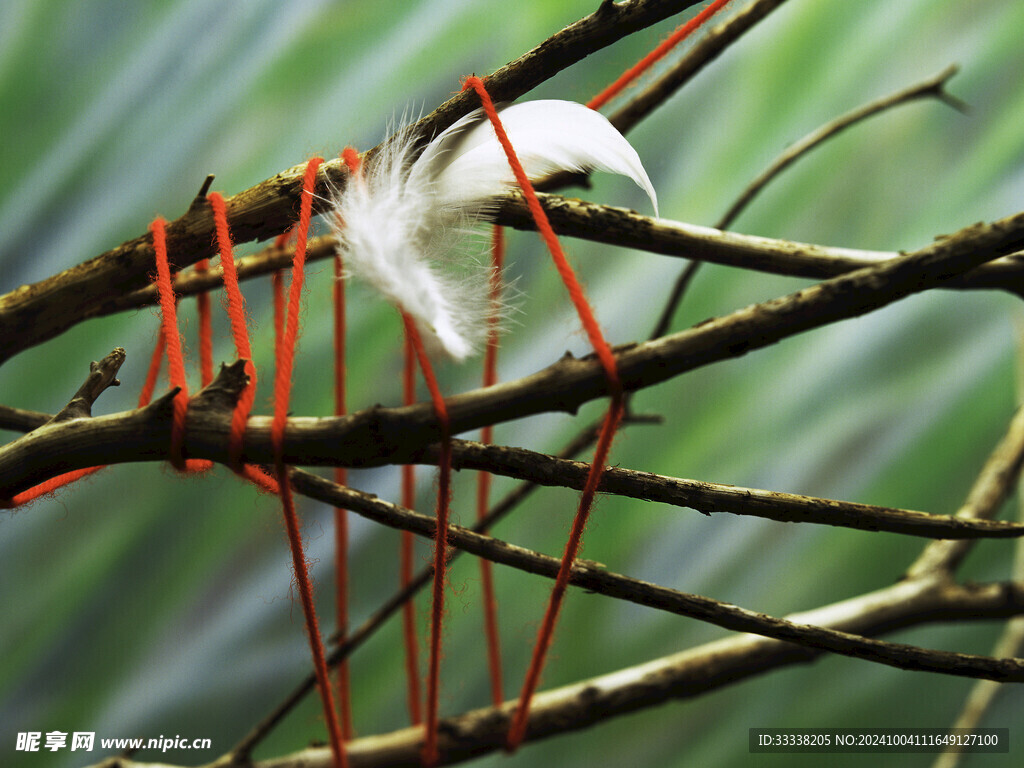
x,y
20,419
714,497
34,313
616,226
711,45
932,87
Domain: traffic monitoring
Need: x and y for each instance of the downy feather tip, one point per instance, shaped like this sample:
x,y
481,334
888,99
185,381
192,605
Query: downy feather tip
x,y
401,221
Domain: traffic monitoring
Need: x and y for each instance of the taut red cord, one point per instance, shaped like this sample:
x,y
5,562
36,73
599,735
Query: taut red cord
x,y
341,575
430,753
172,341
205,329
406,554
545,635
631,74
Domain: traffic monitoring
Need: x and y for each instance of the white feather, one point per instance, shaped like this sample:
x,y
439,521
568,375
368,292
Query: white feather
x,y
469,166
400,222
387,238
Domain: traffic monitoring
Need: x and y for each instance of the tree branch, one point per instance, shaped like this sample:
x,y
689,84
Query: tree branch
x,y
614,226
933,88
383,435
683,675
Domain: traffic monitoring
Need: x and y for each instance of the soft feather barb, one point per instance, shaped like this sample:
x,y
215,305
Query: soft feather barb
x,y
400,223
389,237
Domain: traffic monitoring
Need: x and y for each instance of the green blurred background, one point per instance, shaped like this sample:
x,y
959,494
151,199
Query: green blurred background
x,y
142,603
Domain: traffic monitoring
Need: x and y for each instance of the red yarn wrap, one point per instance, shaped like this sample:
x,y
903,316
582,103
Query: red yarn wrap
x,y
239,329
631,74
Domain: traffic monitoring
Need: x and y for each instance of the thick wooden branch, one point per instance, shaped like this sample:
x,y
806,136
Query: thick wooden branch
x,y
706,497
34,313
384,435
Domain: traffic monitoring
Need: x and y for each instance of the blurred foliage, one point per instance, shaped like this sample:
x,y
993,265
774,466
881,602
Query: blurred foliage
x,y
142,603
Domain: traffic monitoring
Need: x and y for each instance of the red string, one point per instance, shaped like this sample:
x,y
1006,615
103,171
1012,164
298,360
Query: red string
x,y
47,487
277,288
239,331
565,271
483,487
414,343
545,634
341,515
172,344
414,696
172,341
430,753
149,385
282,393
655,55
205,329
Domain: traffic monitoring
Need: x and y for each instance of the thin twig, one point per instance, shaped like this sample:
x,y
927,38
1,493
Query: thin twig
x,y
933,87
102,374
708,48
21,419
